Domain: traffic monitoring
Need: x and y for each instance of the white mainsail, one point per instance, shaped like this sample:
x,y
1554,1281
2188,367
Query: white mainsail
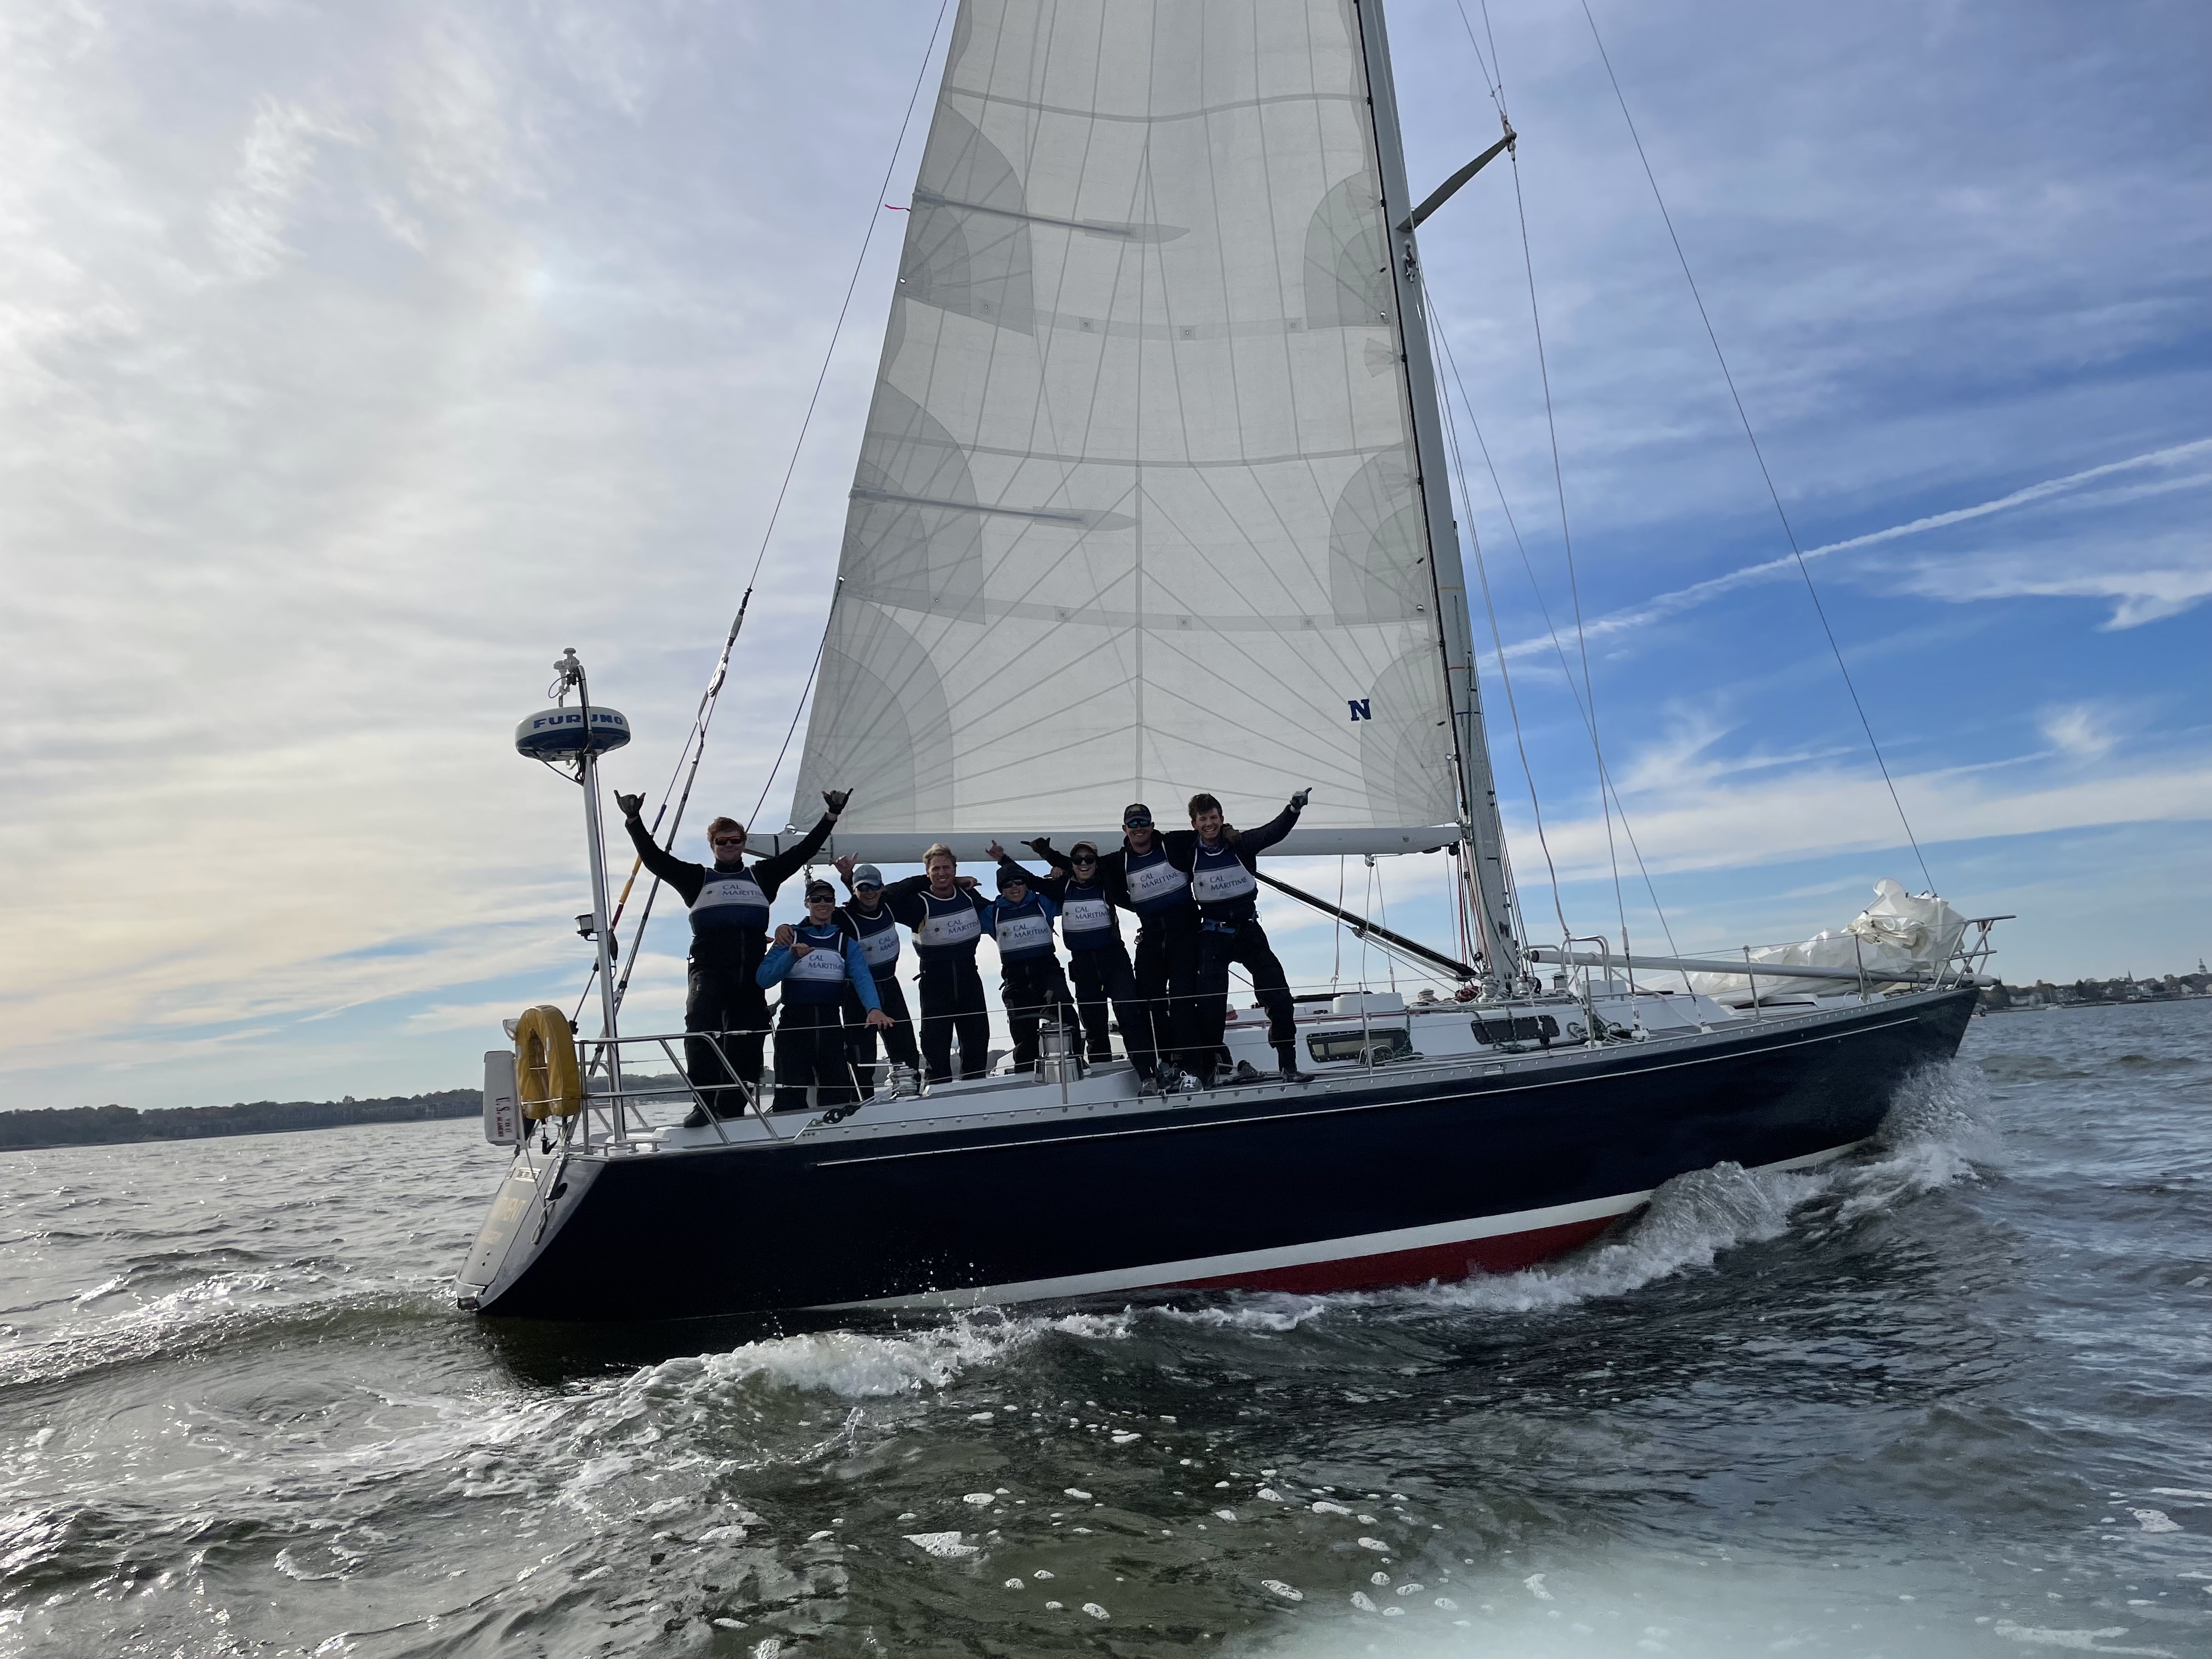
x,y
1137,511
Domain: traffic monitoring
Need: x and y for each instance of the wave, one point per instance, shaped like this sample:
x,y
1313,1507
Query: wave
x,y
859,1365
1934,1136
226,1309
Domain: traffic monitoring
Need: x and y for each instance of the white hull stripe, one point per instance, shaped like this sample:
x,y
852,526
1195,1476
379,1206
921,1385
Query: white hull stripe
x,y
1160,1273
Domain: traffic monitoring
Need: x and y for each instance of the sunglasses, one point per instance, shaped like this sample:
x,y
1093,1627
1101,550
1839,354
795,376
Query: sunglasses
x,y
729,841
1083,857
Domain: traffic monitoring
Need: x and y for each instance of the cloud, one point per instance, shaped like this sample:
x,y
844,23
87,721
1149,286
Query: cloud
x,y
247,220
2143,597
1816,811
2080,729
2158,588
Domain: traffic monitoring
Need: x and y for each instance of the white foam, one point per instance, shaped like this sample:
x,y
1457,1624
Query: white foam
x,y
1930,1141
861,1366
2080,1641
946,1545
1269,1311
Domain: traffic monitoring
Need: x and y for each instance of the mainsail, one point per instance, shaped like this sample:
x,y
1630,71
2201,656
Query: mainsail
x,y
1137,511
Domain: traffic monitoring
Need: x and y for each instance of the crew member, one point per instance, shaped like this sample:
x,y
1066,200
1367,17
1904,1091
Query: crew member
x,y
878,932
1030,980
819,963
1220,861
1097,960
1143,880
729,905
945,915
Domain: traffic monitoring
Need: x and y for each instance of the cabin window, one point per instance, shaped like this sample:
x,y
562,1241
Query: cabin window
x,y
1376,1047
1516,1028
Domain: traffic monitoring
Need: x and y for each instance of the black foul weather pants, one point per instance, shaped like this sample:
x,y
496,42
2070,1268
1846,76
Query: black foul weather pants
x,y
1220,944
1167,978
898,1041
1031,988
724,997
1102,976
810,1047
952,1002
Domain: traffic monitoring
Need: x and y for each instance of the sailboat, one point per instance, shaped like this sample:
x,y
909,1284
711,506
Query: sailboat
x,y
1153,498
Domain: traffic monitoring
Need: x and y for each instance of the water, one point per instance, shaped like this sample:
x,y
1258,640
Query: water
x,y
1951,1399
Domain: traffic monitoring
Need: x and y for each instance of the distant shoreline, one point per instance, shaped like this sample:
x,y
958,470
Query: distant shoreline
x,y
118,1126
2124,993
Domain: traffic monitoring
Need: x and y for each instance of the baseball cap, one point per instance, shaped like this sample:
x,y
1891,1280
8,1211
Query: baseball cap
x,y
1137,816
867,875
819,889
1007,878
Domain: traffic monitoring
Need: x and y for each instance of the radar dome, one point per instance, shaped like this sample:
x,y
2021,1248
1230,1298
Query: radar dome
x,y
558,733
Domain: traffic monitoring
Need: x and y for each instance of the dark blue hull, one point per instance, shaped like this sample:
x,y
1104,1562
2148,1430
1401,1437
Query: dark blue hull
x,y
1392,1179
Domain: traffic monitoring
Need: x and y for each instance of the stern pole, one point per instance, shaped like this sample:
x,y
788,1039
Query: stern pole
x,y
588,775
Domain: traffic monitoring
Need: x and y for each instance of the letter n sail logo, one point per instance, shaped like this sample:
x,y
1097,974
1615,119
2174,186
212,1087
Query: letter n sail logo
x,y
1359,707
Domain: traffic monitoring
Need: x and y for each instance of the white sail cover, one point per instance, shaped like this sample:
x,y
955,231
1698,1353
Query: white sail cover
x,y
1136,512
1911,935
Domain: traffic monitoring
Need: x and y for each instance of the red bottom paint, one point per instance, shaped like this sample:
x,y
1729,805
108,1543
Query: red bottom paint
x,y
1507,1252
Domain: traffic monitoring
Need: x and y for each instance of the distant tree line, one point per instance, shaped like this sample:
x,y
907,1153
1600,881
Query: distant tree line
x,y
105,1126
2093,993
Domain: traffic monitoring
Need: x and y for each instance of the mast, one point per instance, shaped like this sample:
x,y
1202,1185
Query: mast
x,y
1482,861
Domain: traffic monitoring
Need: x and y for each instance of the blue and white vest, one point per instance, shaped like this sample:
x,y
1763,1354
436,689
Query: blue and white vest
x,y
1225,888
1154,883
1023,931
819,975
730,901
1087,921
950,928
878,937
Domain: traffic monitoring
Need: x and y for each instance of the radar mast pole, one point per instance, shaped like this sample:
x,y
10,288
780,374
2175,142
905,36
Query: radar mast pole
x,y
1489,886
587,773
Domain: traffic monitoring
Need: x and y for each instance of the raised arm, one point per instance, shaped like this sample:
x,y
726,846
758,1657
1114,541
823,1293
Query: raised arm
x,y
685,877
1259,840
1052,885
771,871
1043,848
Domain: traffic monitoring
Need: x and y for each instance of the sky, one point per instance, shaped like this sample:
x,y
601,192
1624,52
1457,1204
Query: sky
x,y
356,360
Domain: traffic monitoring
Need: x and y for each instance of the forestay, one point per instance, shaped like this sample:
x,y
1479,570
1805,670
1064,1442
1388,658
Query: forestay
x,y
1136,512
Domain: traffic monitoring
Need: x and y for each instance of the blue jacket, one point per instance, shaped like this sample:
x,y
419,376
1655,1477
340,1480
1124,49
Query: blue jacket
x,y
808,978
